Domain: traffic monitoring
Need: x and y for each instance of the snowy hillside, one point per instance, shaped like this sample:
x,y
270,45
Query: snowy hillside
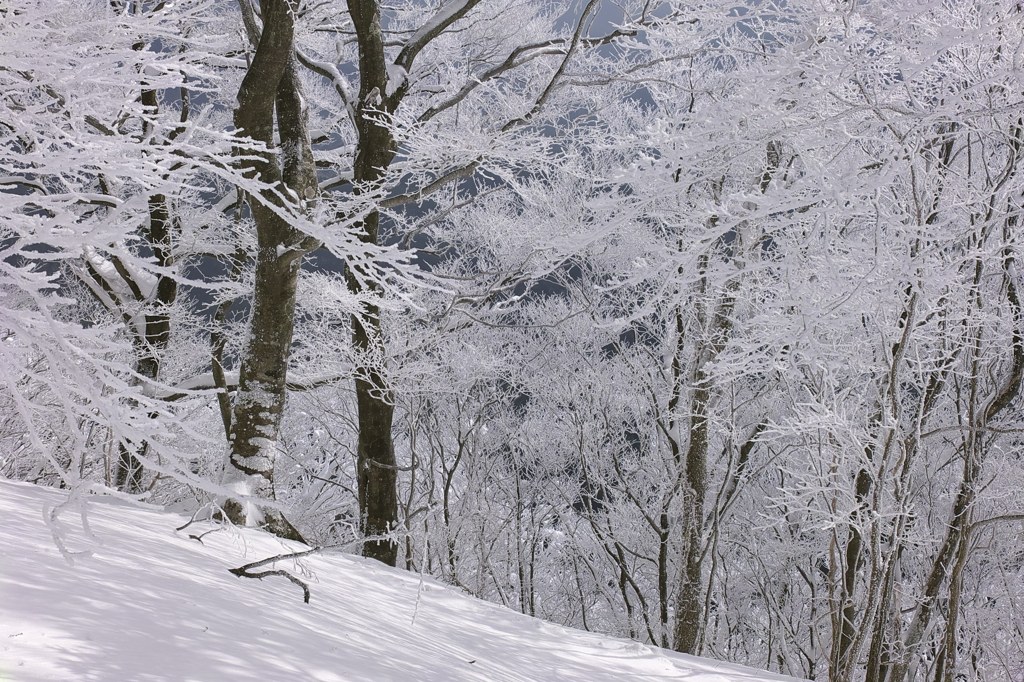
x,y
150,604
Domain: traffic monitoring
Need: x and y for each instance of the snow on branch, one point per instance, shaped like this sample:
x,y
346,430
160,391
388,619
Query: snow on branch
x,y
449,13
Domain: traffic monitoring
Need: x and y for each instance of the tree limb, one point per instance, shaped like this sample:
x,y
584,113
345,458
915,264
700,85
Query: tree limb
x,y
246,570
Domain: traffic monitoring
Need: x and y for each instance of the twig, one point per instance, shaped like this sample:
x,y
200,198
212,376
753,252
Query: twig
x,y
199,538
191,520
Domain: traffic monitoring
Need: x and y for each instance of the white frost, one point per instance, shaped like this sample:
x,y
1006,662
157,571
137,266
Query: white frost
x,y
397,76
443,15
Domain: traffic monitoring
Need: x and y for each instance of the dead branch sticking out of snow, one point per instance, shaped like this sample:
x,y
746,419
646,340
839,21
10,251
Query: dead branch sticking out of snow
x,y
246,570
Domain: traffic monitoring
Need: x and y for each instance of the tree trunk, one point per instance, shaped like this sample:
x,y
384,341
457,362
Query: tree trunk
x,y
377,475
843,662
714,317
271,82
690,599
152,344
944,564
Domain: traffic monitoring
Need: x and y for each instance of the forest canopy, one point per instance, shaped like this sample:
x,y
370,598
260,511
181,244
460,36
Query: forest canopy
x,y
697,323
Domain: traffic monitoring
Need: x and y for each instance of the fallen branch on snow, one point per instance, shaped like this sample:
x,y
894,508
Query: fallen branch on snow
x,y
246,570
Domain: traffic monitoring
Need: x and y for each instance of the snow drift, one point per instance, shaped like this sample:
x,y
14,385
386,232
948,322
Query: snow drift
x,y
145,602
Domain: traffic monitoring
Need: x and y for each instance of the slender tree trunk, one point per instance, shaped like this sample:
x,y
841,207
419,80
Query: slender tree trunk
x,y
714,317
157,331
376,472
664,536
690,599
979,417
842,663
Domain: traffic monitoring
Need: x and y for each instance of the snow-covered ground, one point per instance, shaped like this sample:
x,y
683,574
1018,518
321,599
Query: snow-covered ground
x,y
149,604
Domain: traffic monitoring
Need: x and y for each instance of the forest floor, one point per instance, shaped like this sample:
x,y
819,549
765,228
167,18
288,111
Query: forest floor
x,y
145,602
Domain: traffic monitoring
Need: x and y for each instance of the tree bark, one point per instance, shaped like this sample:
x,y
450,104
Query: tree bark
x,y
156,334
714,317
376,471
690,601
152,344
290,182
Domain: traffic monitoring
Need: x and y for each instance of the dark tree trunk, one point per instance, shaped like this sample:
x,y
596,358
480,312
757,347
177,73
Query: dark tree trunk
x,y
689,615
152,343
271,82
980,414
377,476
842,662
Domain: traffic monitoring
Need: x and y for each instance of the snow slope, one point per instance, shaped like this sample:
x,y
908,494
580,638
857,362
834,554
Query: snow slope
x,y
151,604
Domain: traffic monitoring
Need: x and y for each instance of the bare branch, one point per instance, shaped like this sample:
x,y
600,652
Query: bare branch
x,y
518,57
433,186
447,15
246,570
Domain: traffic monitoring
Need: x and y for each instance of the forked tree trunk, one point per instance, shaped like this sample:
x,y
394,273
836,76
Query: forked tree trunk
x,y
271,82
715,318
